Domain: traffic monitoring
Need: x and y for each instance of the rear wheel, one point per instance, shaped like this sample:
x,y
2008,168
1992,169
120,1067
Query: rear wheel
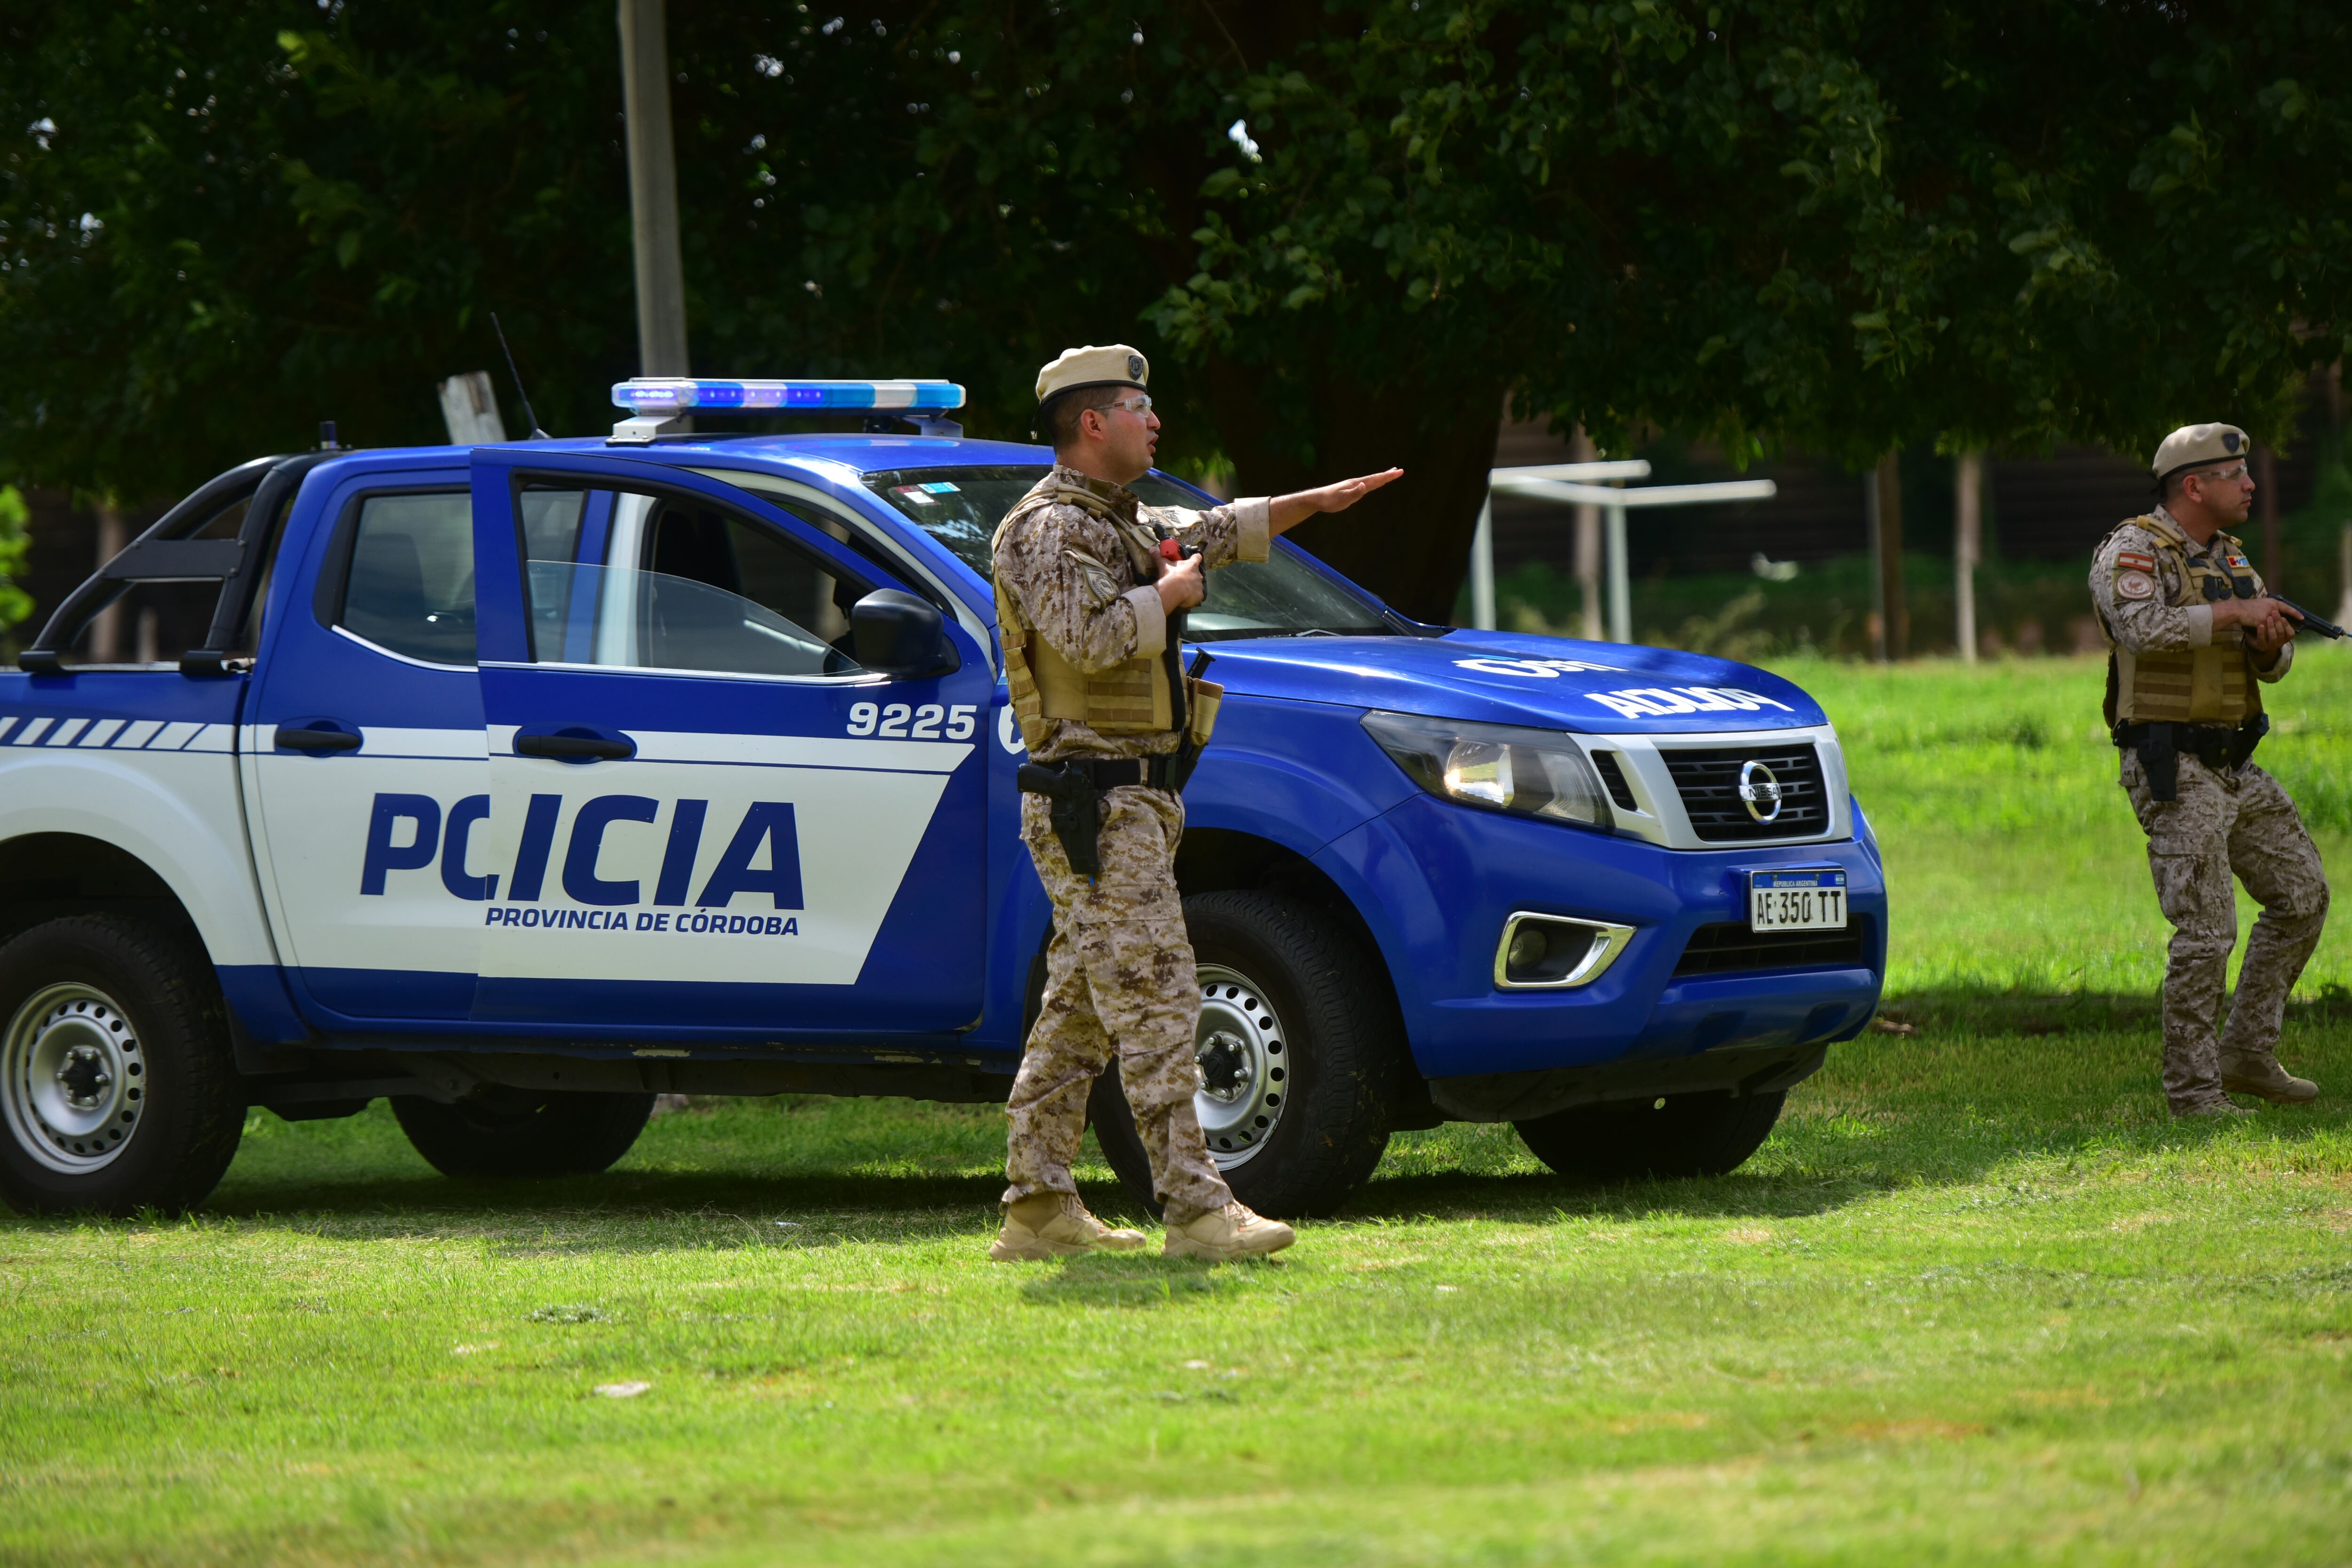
x,y
118,1090
1297,1055
517,1132
1677,1135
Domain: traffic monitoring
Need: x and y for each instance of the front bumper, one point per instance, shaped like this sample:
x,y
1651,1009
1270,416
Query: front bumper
x,y
1436,882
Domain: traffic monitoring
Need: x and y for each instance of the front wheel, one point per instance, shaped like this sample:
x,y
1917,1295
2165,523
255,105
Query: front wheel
x,y
118,1089
1298,1058
1676,1135
515,1132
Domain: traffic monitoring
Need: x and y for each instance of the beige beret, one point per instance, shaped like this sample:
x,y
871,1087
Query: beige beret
x,y
2194,446
1113,364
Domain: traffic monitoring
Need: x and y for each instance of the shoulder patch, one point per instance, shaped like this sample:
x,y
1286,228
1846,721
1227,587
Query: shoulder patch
x,y
2134,586
1102,586
2134,561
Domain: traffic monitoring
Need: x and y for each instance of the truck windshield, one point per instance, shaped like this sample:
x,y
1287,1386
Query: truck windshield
x,y
1284,596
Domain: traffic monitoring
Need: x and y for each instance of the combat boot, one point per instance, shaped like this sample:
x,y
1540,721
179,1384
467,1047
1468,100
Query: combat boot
x,y
2218,1106
1223,1234
1056,1225
2258,1072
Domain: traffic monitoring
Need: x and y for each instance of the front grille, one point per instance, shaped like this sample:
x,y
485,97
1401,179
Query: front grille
x,y
1733,949
1613,776
1708,782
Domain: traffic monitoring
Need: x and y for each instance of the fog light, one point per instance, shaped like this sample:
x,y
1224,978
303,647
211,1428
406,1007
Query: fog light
x,y
1556,952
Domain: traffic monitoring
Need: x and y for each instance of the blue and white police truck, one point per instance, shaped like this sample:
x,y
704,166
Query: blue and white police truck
x,y
520,783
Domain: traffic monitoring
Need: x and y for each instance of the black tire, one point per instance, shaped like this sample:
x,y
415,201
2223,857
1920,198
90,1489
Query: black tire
x,y
119,1091
1684,1135
1326,1035
517,1132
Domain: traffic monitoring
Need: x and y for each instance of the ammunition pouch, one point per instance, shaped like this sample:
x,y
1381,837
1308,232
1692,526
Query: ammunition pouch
x,y
1076,787
2158,746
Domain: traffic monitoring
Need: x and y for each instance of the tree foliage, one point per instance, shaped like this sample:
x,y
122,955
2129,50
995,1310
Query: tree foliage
x,y
1346,229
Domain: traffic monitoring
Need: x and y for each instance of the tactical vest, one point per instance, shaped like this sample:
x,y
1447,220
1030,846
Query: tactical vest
x,y
1141,696
2211,685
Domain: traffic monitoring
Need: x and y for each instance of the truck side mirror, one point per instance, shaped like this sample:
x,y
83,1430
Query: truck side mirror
x,y
900,636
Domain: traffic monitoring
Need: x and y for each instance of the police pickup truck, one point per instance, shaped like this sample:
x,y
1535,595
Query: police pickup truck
x,y
523,782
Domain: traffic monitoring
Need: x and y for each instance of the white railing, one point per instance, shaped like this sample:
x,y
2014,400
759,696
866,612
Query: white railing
x,y
1591,484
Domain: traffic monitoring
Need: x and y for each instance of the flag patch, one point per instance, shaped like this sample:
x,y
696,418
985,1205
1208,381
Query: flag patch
x,y
2133,561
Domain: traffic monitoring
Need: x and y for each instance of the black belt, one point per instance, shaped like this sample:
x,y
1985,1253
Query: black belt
x,y
1107,773
2160,746
1076,788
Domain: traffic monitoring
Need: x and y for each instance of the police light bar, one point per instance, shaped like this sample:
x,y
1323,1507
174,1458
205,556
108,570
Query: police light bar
x,y
678,395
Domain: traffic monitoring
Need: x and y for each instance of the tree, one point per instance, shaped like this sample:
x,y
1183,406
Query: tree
x,y
1345,229
15,602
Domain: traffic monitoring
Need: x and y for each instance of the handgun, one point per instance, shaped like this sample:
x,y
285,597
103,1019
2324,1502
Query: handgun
x,y
2306,621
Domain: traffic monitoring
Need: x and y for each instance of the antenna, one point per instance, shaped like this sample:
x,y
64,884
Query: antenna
x,y
536,433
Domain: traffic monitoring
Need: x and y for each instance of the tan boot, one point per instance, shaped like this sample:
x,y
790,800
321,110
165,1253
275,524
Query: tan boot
x,y
2251,1072
1056,1225
2219,1106
1222,1235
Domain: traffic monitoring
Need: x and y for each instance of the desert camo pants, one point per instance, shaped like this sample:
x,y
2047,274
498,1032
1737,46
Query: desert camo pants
x,y
1118,980
2236,821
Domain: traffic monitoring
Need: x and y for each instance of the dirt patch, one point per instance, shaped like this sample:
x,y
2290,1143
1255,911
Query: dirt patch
x,y
1899,1431
2084,1398
1659,1421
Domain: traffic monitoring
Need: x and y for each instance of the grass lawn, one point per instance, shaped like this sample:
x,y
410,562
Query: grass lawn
x,y
1977,1301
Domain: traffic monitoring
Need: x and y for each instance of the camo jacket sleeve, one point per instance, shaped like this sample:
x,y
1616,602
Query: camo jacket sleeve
x,y
2139,594
1237,531
1070,576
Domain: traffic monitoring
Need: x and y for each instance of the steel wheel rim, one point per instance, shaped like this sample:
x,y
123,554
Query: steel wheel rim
x,y
1245,1059
72,1078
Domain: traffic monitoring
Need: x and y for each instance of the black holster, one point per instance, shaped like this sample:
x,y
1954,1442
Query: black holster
x,y
1076,811
2160,762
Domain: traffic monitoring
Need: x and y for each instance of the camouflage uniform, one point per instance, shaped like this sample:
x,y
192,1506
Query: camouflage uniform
x,y
1118,973
2223,820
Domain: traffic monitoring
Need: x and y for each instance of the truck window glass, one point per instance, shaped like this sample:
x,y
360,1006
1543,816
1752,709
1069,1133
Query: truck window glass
x,y
661,582
411,585
1282,597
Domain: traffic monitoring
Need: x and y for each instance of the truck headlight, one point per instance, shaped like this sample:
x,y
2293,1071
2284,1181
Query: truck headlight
x,y
1534,772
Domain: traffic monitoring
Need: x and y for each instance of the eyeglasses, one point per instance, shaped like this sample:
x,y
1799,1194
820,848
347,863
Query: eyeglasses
x,y
1139,404
2225,476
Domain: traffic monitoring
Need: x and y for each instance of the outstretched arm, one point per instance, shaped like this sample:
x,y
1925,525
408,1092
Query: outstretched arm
x,y
1286,512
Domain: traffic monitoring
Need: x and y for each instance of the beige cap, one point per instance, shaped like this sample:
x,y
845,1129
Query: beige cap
x,y
2194,446
1112,364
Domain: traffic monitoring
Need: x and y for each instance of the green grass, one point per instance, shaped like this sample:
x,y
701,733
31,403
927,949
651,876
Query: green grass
x,y
1977,1301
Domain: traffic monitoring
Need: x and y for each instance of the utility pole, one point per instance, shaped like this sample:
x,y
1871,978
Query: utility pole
x,y
1968,546
653,190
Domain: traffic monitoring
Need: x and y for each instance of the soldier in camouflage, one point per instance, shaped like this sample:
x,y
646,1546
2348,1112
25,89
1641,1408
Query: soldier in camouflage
x,y
2194,635
1087,579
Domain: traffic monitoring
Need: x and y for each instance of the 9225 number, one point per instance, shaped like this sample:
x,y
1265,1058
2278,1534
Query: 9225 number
x,y
905,721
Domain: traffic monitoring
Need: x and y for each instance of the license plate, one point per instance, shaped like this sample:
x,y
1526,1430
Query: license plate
x,y
1796,900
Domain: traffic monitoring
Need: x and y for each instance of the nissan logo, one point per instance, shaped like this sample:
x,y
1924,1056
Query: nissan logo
x,y
1759,791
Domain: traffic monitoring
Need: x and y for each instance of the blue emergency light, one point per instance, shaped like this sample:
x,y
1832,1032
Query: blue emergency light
x,y
678,394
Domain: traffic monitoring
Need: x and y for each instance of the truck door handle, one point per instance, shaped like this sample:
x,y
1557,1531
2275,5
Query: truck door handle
x,y
313,735
574,743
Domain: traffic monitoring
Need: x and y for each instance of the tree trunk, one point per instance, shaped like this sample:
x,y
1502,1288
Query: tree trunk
x,y
1896,615
1968,545
2266,489
1588,546
1410,543
106,627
